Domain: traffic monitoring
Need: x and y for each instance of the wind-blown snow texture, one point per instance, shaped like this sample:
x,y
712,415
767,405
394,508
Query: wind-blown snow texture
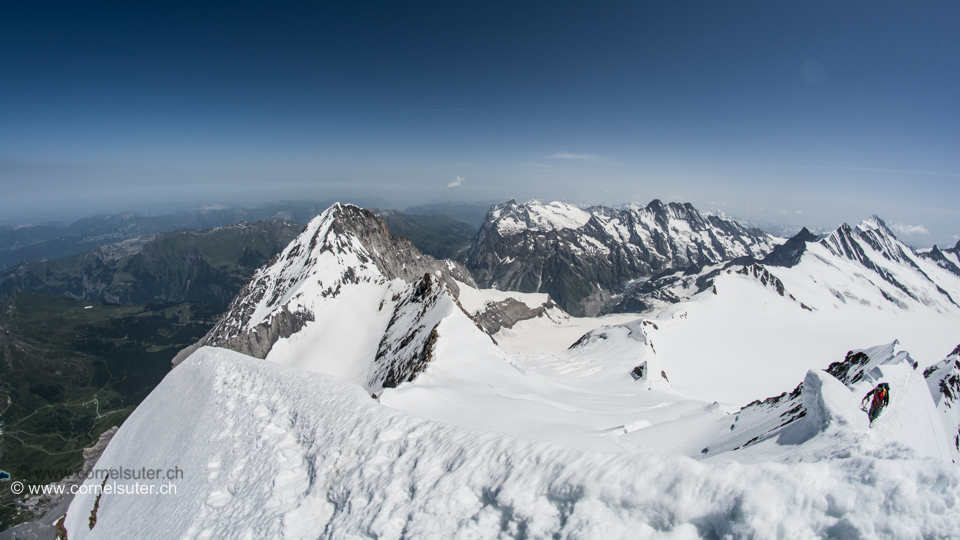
x,y
909,426
270,452
559,426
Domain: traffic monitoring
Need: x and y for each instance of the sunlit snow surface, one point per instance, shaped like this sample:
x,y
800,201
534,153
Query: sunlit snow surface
x,y
271,452
615,427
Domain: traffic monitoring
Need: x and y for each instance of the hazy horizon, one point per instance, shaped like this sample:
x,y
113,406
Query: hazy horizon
x,y
807,114
774,226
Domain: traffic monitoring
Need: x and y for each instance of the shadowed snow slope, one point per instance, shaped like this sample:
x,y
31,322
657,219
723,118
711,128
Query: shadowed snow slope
x,y
270,452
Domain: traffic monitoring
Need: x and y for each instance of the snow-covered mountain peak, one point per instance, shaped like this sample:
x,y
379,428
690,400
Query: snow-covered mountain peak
x,y
511,217
872,223
915,276
871,235
582,258
346,250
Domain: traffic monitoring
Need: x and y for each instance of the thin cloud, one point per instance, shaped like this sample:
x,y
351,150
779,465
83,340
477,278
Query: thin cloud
x,y
566,155
901,228
799,212
456,183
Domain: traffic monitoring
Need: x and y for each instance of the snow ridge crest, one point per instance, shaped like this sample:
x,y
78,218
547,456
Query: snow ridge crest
x,y
343,246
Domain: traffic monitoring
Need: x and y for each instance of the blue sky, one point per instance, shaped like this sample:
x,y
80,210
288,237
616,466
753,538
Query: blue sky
x,y
808,113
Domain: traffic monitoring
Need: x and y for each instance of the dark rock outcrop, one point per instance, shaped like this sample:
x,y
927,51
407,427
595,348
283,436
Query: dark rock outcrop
x,y
506,313
408,343
789,253
941,260
943,381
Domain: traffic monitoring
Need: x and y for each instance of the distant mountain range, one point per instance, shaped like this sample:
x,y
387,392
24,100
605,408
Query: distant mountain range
x,y
208,265
421,405
583,258
735,314
60,240
55,240
886,271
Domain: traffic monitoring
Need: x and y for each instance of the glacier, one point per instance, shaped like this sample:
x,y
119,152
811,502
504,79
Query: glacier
x,y
408,403
270,452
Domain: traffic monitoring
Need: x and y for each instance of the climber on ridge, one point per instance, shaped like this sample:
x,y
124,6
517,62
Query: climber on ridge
x,y
881,398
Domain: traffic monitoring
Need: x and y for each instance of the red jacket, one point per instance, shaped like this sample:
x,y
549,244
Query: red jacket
x,y
880,397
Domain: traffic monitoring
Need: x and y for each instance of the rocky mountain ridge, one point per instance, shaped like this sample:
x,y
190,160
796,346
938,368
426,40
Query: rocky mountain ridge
x,y
340,249
943,380
874,249
583,257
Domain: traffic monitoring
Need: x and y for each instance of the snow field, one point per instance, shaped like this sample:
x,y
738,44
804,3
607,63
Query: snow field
x,y
747,342
271,452
320,346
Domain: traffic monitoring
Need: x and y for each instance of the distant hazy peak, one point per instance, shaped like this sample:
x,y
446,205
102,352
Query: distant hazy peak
x,y
512,217
873,223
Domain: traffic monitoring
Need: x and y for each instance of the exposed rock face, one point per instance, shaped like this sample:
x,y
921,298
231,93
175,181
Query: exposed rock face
x,y
345,245
789,253
395,256
506,313
857,364
676,286
780,416
640,372
582,258
943,380
850,242
408,343
942,260
259,341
